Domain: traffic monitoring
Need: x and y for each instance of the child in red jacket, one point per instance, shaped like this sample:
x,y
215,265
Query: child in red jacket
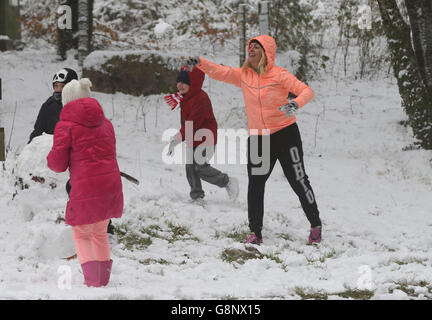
x,y
84,143
197,116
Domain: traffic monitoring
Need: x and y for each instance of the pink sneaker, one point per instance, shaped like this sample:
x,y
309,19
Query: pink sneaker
x,y
253,239
315,235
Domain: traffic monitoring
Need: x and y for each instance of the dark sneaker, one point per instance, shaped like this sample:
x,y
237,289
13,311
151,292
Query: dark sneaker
x,y
315,235
253,239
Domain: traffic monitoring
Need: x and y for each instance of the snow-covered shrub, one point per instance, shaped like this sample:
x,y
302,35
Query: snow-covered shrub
x,y
138,73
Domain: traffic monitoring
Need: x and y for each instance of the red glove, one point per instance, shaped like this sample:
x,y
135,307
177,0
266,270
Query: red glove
x,y
174,99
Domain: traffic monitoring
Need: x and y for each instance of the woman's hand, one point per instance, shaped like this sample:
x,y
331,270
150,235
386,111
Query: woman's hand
x,y
173,143
193,61
290,108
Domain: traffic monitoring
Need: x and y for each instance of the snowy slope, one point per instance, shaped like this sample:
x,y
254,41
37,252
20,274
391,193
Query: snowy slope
x,y
374,200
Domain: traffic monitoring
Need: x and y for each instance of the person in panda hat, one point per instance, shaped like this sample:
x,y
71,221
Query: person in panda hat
x,y
49,114
85,143
50,111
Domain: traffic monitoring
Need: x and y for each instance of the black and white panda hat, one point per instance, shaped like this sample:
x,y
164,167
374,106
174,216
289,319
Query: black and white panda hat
x,y
64,75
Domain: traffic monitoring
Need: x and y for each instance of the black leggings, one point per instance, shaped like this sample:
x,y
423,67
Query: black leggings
x,y
285,146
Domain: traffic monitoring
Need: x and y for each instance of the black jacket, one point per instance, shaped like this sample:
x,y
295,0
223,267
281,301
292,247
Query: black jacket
x,y
47,118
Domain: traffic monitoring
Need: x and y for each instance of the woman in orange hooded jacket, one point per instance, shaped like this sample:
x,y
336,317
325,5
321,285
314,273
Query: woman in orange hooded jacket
x,y
272,128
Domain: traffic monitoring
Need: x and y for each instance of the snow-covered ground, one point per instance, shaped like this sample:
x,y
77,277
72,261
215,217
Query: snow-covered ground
x,y
374,199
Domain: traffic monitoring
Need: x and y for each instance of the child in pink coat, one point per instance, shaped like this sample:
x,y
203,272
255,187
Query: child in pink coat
x,y
84,143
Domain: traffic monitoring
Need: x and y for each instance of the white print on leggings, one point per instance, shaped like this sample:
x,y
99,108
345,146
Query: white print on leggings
x,y
300,174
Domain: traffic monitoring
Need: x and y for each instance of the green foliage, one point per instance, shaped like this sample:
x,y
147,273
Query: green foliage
x,y
131,239
240,256
356,294
154,261
139,238
179,233
307,293
409,287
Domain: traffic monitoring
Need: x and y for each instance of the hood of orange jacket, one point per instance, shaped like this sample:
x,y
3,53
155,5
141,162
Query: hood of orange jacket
x,y
270,47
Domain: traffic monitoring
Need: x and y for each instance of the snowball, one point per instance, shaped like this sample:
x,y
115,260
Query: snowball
x,y
162,28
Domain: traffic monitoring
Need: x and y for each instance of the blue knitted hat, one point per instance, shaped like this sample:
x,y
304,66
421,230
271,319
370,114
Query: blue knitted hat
x,y
183,76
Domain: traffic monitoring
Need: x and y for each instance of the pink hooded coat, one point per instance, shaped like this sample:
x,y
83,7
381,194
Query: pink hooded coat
x,y
263,95
84,142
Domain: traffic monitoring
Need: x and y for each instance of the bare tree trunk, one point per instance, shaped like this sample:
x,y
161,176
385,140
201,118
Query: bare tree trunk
x,y
263,17
242,38
2,145
79,36
420,17
65,36
415,97
276,9
82,31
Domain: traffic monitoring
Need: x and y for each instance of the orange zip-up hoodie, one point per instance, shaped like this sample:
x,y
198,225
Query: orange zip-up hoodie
x,y
263,95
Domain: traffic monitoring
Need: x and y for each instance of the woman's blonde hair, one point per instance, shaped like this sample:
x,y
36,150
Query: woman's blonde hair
x,y
262,65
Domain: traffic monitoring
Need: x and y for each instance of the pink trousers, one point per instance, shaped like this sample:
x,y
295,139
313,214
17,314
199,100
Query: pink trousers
x,y
91,242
